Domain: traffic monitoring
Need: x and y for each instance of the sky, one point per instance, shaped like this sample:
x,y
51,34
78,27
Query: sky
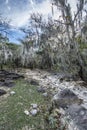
x,y
19,11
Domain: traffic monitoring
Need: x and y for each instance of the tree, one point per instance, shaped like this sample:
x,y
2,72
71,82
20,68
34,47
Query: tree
x,y
71,23
4,51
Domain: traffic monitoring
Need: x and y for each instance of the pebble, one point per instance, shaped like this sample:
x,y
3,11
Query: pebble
x,y
33,112
34,106
12,92
26,112
45,94
41,89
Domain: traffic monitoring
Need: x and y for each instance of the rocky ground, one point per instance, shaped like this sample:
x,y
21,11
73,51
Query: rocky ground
x,y
68,97
7,80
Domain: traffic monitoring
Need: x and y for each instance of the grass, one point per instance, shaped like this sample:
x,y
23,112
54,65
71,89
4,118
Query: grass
x,y
12,115
82,46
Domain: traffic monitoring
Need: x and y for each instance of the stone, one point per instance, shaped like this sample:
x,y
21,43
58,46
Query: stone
x,y
45,94
34,82
12,92
34,106
85,93
2,92
33,112
26,112
65,98
79,116
41,90
9,75
7,78
8,83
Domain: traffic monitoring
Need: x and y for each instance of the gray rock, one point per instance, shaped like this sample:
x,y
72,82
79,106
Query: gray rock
x,y
26,112
2,92
34,106
34,82
33,112
12,92
65,98
41,89
45,94
6,78
79,116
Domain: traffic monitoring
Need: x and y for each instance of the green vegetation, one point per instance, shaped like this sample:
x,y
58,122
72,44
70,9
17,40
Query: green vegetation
x,y
83,46
12,115
12,46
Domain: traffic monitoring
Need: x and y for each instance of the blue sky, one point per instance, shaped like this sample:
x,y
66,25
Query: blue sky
x,y
19,11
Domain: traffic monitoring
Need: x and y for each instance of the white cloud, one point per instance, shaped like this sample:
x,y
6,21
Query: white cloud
x,y
21,18
43,8
9,8
7,1
31,2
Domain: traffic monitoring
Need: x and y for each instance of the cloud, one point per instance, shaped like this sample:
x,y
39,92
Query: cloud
x,y
43,8
7,1
9,8
21,18
31,2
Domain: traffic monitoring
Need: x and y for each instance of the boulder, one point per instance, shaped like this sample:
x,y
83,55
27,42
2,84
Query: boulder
x,y
78,114
6,78
65,98
2,92
9,75
34,82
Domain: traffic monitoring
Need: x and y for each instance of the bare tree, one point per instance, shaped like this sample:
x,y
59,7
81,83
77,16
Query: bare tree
x,y
4,26
71,23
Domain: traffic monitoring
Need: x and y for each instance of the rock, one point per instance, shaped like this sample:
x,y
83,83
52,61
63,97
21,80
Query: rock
x,y
45,94
9,75
79,116
67,77
67,93
6,78
8,83
33,112
65,98
34,106
44,77
85,93
41,89
26,112
2,92
14,76
12,92
34,82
